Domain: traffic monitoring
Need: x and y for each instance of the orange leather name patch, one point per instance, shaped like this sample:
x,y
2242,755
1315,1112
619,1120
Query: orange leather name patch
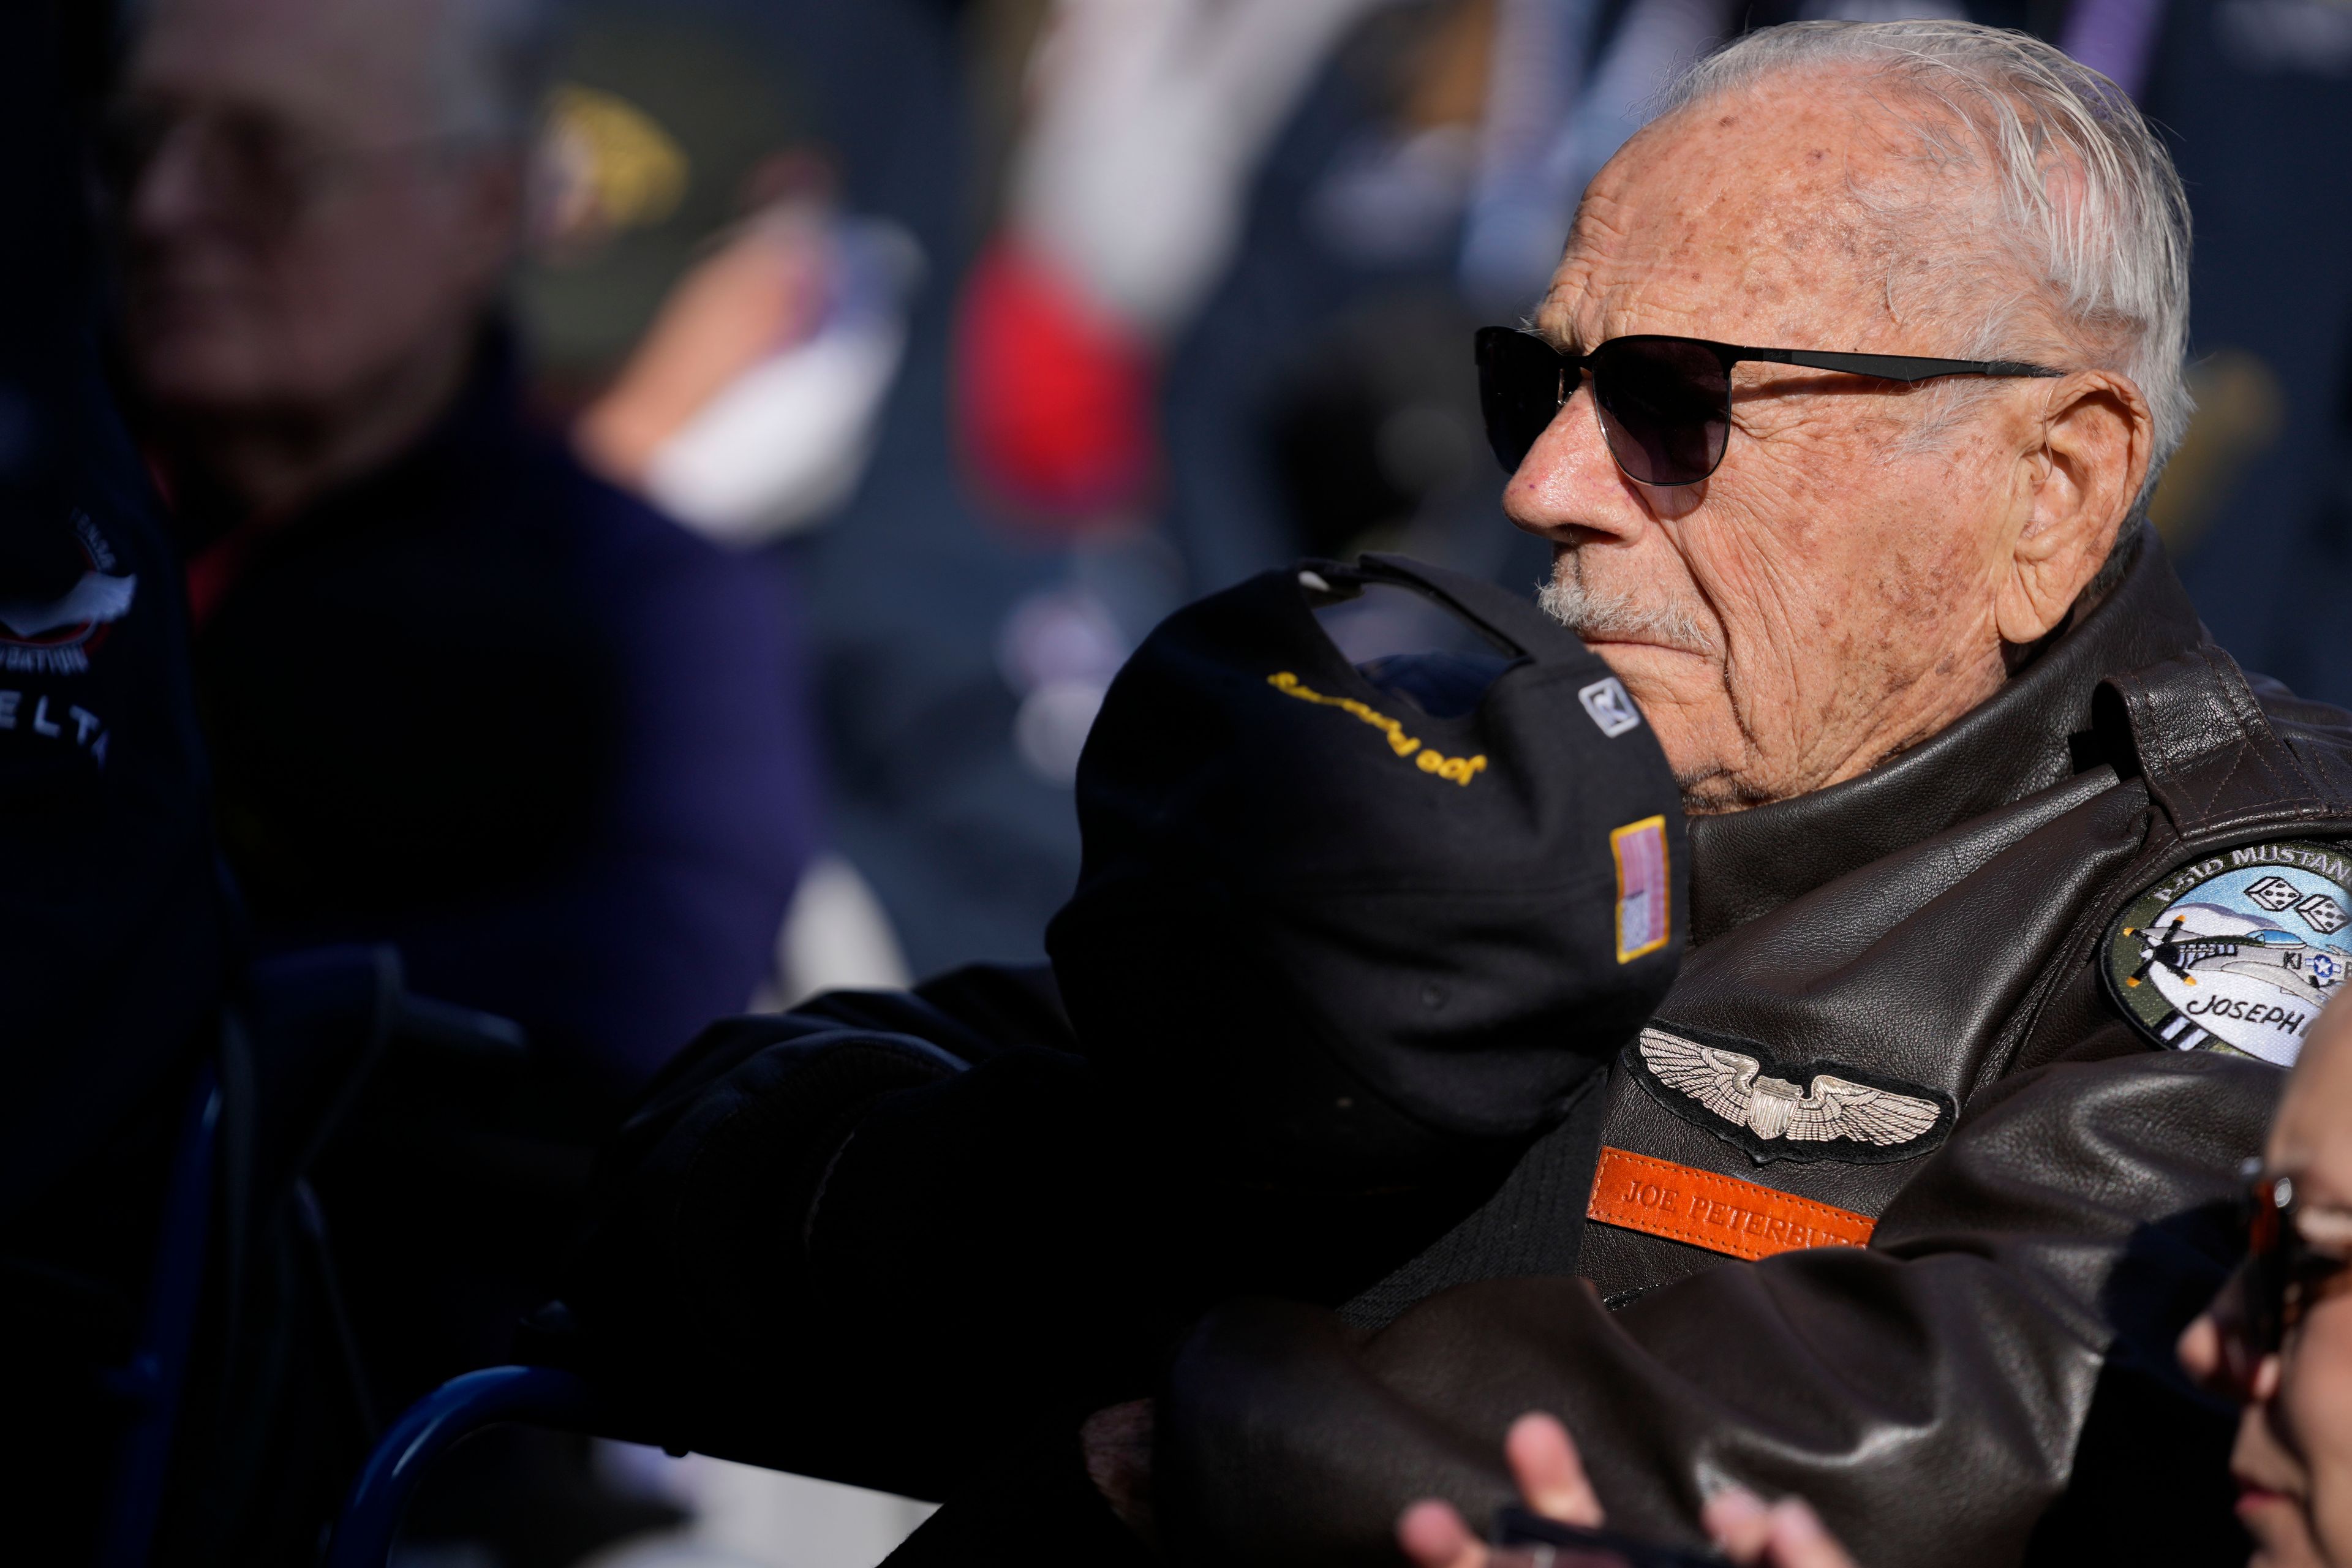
x,y
1721,1214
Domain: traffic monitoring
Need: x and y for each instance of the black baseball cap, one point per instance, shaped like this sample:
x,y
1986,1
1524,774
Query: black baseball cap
x,y
1337,922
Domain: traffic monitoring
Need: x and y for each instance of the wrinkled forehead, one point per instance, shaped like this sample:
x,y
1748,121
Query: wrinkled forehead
x,y
1768,214
364,65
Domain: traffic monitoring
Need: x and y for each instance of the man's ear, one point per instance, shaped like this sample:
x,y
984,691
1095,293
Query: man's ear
x,y
2089,458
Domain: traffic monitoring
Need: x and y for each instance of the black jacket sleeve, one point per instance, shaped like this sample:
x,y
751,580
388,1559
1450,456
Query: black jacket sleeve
x,y
2011,1319
883,1237
694,1308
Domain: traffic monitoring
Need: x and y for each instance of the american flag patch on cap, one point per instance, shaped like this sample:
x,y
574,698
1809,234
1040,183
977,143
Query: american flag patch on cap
x,y
1642,917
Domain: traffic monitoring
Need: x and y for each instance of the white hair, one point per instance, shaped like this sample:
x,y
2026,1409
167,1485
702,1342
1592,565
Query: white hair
x,y
2089,208
491,60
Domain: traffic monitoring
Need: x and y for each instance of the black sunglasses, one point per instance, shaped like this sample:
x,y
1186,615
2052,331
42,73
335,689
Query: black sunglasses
x,y
2282,1274
1665,403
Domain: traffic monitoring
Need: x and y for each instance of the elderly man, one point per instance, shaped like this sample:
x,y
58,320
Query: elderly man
x,y
2009,894
461,696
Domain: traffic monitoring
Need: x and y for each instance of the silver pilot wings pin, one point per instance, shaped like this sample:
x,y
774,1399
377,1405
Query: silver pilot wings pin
x,y
1728,1092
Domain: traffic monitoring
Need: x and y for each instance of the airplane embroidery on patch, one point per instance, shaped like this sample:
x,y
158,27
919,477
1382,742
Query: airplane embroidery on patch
x,y
1833,1116
2236,951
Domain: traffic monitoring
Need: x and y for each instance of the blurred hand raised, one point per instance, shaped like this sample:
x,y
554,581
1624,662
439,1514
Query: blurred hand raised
x,y
1552,1482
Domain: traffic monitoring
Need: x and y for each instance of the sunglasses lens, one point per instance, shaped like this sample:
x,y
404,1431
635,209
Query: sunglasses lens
x,y
1519,391
2265,1273
1666,407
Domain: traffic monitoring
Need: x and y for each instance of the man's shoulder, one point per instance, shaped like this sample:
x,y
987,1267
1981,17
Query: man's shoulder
x,y
2319,733
2224,750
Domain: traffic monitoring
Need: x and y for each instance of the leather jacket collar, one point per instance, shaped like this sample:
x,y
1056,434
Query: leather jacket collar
x,y
2014,743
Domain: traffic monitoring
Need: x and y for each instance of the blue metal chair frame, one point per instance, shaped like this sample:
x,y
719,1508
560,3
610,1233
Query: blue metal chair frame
x,y
152,1382
536,1395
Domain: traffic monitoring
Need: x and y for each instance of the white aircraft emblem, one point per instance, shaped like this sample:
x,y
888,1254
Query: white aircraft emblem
x,y
95,599
1728,1083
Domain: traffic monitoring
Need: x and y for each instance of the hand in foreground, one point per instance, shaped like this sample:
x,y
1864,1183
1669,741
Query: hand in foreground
x,y
1785,1534
1117,1445
1552,1481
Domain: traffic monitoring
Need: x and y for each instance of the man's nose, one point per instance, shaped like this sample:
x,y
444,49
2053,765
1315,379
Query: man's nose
x,y
1569,489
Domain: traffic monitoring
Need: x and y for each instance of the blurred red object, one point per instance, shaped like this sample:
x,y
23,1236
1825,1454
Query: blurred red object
x,y
1053,403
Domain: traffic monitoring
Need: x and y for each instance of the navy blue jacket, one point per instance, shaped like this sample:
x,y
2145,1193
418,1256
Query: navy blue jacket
x,y
487,707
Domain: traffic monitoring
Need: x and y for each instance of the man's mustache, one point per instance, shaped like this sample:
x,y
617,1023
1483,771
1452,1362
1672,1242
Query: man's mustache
x,y
1593,614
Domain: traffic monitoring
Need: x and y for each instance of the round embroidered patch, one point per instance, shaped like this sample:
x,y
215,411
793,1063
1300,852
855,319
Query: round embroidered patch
x,y
2237,952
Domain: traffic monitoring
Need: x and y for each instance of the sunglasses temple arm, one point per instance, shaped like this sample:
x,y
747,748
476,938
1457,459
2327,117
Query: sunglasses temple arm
x,y
1896,367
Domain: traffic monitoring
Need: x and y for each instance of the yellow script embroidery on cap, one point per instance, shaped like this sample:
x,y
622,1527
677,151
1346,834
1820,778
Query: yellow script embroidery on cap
x,y
1459,770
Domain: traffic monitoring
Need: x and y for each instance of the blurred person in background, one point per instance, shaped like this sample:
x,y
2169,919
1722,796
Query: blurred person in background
x,y
760,215
2278,1340
462,697
725,329
722,326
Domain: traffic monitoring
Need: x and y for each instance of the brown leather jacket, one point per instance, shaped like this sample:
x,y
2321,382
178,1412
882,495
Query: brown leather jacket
x,y
905,1240
1937,929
